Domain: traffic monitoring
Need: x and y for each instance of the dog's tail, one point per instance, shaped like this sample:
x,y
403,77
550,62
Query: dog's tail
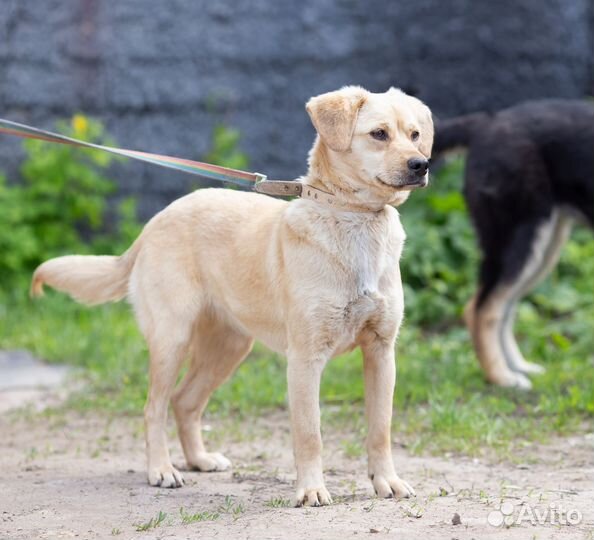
x,y
456,133
88,279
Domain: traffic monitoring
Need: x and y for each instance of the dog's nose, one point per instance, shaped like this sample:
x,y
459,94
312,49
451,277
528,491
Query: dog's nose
x,y
418,166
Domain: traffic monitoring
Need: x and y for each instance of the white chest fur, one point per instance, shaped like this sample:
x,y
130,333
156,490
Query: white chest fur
x,y
364,247
352,279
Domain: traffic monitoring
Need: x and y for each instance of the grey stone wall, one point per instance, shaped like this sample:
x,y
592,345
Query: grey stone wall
x,y
161,73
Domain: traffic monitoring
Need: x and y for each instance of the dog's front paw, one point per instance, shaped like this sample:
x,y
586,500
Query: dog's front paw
x,y
312,496
166,476
209,462
388,486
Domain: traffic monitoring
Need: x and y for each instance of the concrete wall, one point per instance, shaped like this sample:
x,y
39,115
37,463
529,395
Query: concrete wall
x,y
160,74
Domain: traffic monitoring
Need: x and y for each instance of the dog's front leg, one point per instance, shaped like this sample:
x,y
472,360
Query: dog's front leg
x,y
303,380
380,379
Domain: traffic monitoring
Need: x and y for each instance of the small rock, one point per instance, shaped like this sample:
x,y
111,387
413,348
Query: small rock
x,y
456,519
373,530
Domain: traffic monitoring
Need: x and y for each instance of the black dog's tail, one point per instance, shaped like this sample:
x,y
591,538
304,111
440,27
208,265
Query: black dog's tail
x,y
456,133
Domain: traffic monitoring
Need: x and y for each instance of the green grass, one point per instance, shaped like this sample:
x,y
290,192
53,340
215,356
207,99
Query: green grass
x,y
442,402
152,523
278,502
232,507
188,518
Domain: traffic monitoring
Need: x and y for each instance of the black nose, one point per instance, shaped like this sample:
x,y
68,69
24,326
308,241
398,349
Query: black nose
x,y
418,165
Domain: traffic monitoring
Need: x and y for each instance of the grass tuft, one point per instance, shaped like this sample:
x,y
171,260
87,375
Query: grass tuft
x,y
188,518
152,523
278,502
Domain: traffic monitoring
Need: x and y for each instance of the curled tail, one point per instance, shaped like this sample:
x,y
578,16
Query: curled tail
x,y
89,279
457,132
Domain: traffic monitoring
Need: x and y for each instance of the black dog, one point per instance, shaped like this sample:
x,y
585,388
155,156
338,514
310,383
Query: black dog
x,y
529,175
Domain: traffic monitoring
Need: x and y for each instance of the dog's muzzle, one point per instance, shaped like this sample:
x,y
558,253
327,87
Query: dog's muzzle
x,y
410,182
416,182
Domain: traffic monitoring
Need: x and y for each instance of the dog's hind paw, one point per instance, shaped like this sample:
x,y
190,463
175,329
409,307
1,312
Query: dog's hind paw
x,y
531,368
209,462
519,380
166,476
511,379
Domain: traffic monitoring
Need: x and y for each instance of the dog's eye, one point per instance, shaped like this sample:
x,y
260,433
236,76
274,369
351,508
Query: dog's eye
x,y
379,134
415,135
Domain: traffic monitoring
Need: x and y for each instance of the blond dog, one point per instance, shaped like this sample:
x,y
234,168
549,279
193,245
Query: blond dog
x,y
217,268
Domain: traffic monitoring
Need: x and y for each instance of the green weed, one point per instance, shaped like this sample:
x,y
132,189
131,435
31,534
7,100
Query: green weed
x,y
278,502
198,516
152,523
232,507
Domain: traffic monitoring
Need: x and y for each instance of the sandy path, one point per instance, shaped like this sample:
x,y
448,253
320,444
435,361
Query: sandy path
x,y
74,476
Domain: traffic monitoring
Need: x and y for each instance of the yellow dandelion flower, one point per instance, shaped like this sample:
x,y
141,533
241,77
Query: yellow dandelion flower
x,y
80,124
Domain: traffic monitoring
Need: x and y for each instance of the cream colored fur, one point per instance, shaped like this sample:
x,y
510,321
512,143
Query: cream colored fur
x,y
218,268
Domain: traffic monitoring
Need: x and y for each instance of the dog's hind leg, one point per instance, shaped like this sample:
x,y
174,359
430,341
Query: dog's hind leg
x,y
168,346
490,315
528,280
165,315
485,323
217,349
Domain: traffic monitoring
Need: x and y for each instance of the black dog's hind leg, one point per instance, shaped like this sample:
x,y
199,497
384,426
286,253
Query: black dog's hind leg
x,y
529,256
561,224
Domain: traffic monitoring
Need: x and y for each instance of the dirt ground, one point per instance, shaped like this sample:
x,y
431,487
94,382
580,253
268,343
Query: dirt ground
x,y
81,476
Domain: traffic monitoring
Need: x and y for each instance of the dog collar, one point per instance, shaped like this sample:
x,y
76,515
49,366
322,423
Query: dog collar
x,y
295,188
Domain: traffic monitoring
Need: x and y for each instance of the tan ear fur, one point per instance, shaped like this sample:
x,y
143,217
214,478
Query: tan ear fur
x,y
424,119
427,132
334,116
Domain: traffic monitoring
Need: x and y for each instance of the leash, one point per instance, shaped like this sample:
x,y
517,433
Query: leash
x,y
259,182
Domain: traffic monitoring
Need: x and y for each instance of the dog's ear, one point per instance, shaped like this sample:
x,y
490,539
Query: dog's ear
x,y
427,131
334,116
425,120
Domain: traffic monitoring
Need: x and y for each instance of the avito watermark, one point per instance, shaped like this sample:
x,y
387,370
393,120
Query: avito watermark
x,y
554,514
